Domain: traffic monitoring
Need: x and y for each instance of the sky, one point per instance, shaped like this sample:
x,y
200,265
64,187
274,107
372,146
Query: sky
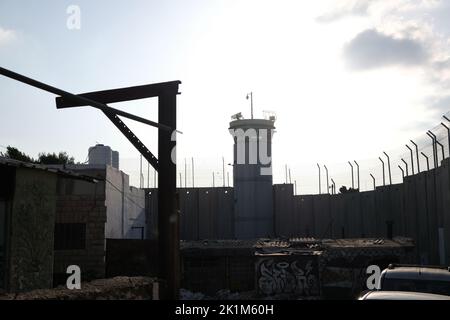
x,y
347,79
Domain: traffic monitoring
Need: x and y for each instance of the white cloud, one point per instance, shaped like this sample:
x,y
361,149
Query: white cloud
x,y
407,33
372,49
345,9
366,8
6,36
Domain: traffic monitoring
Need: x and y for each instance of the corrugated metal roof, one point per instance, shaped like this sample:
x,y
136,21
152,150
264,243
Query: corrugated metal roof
x,y
20,164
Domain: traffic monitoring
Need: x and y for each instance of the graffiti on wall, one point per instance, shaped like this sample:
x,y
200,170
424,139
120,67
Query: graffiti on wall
x,y
288,275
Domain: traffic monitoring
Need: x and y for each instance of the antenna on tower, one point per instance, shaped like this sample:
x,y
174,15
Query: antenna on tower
x,y
250,95
237,116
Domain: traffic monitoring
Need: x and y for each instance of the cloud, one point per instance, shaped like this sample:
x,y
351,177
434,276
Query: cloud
x,y
371,49
365,8
346,9
6,36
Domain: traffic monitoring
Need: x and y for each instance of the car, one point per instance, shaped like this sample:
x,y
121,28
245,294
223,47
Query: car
x,y
402,295
416,278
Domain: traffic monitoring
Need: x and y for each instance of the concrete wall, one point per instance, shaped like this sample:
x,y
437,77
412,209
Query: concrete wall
x,y
31,231
80,201
125,206
418,208
205,213
135,213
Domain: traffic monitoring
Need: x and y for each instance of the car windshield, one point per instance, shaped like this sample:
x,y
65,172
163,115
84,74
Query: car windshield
x,y
437,287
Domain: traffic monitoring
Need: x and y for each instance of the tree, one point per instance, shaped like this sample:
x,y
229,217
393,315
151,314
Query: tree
x,y
43,158
53,158
16,154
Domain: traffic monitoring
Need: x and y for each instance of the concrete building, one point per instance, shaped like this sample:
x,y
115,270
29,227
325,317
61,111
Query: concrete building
x,y
52,217
111,210
28,211
125,204
252,177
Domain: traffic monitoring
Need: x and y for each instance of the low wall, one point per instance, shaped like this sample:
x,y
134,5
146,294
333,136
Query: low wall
x,y
130,257
119,288
299,268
